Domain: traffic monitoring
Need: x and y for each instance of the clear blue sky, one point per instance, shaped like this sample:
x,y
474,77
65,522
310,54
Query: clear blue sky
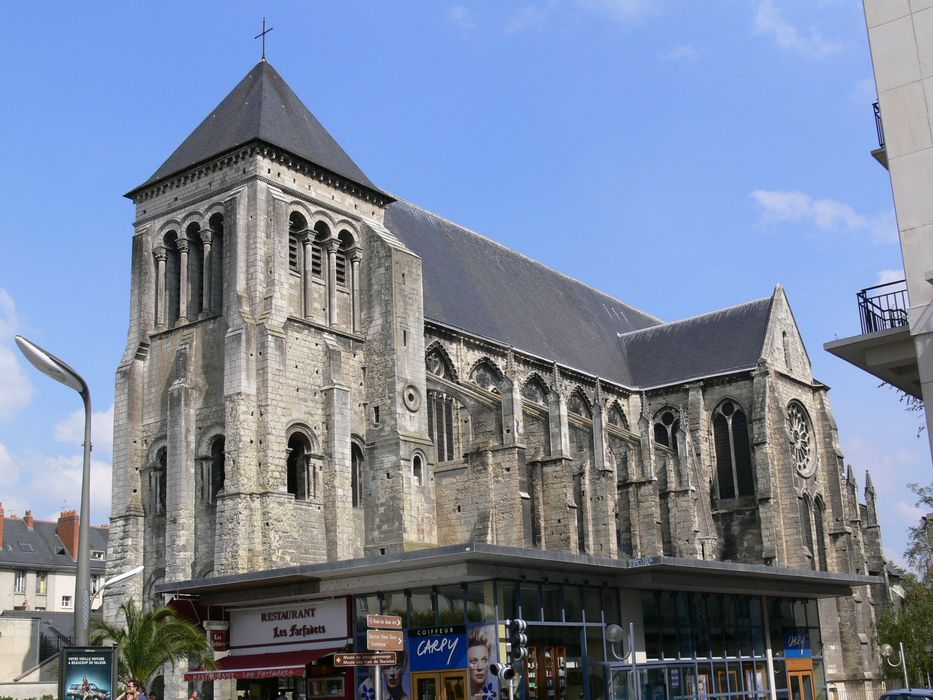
x,y
681,155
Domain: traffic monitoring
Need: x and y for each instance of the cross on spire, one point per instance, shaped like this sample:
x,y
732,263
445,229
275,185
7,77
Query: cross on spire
x,y
263,35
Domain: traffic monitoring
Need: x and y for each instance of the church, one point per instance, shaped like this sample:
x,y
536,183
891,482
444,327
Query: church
x,y
334,405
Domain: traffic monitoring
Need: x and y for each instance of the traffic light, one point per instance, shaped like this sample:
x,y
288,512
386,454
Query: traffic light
x,y
518,640
503,672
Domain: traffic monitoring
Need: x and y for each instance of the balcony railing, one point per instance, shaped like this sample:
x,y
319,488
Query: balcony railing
x,y
883,306
879,125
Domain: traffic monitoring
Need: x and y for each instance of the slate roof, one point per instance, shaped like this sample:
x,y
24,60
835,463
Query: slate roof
x,y
723,341
479,286
262,107
41,549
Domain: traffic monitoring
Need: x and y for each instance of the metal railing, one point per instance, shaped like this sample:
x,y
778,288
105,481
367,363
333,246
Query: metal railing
x,y
883,306
879,125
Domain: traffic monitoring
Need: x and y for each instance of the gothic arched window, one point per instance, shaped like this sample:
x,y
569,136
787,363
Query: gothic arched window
x,y
436,364
356,474
534,391
579,405
486,377
819,533
157,479
218,475
666,425
617,417
441,423
800,431
733,451
806,528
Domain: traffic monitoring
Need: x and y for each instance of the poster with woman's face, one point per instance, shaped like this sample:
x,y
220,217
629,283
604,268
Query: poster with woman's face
x,y
395,680
481,652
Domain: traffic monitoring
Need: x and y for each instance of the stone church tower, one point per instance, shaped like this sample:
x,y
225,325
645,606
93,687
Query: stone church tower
x,y
316,371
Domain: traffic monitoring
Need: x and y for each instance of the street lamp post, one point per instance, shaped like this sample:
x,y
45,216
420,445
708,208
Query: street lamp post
x,y
58,370
887,650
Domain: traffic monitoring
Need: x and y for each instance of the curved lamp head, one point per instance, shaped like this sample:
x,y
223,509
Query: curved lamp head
x,y
51,366
614,634
886,650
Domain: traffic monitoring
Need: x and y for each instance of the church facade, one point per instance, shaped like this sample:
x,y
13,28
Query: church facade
x,y
331,394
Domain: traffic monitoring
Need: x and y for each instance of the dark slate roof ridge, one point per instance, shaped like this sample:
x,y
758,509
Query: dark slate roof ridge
x,y
261,124
402,200
665,325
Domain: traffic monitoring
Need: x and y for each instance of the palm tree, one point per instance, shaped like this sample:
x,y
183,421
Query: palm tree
x,y
147,641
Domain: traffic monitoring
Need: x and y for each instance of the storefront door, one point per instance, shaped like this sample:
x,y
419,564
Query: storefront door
x,y
800,679
440,685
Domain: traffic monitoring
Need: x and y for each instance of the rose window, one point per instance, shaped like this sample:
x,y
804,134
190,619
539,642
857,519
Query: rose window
x,y
800,439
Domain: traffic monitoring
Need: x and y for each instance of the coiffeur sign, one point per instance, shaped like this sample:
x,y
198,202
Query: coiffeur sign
x,y
312,624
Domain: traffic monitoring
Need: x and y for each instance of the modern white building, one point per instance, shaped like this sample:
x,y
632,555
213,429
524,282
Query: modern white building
x,y
897,319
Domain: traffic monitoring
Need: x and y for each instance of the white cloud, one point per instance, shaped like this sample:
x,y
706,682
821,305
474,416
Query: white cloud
x,y
828,215
16,388
863,92
886,276
461,17
71,430
685,52
49,484
529,17
909,513
622,11
770,22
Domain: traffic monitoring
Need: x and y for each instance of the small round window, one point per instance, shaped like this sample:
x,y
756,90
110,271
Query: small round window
x,y
801,440
412,398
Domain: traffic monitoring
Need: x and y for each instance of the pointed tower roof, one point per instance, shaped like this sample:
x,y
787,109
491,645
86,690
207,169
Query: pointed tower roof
x,y
262,107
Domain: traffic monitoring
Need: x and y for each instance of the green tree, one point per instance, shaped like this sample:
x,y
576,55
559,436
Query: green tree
x,y
911,623
148,640
920,538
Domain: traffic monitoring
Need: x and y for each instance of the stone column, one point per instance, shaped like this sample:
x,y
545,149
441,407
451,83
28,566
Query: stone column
x,y
160,255
332,244
355,256
206,272
306,238
338,514
182,244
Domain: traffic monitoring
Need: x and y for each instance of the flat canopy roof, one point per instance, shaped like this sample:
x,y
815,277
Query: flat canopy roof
x,y
454,564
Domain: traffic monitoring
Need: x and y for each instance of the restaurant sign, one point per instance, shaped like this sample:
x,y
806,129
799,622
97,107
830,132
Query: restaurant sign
x,y
307,625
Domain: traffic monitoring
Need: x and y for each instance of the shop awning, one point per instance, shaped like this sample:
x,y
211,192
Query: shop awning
x,y
283,663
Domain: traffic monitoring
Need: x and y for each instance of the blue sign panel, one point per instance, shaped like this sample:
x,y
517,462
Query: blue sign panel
x,y
797,645
434,648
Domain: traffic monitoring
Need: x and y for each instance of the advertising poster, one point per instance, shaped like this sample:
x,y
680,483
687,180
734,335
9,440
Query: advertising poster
x,y
87,673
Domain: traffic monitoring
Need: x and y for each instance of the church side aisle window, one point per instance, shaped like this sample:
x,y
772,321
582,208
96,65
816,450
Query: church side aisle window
x,y
666,425
733,451
441,425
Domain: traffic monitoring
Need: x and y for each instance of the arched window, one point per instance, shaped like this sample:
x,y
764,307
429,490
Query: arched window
x,y
806,528
171,279
302,477
157,483
617,417
213,243
534,391
666,425
785,344
579,405
217,467
195,292
437,364
801,441
485,376
417,470
356,475
441,422
733,451
297,225
819,533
